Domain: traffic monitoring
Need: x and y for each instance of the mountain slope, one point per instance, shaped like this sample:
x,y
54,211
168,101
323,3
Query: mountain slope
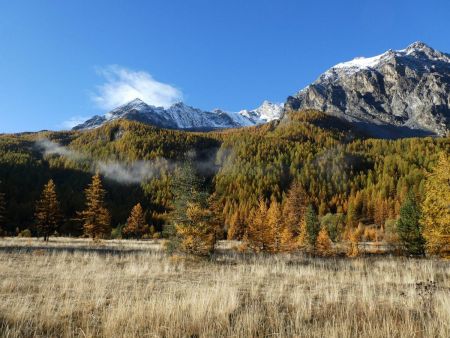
x,y
398,93
181,116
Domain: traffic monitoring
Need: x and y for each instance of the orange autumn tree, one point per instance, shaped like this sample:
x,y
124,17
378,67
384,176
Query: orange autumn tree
x,y
274,230
324,246
47,211
436,208
257,236
136,226
96,219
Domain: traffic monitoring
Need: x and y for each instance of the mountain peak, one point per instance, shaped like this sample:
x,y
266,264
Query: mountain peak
x,y
419,45
404,91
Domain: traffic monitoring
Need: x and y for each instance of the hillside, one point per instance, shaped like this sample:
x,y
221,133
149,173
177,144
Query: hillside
x,y
339,170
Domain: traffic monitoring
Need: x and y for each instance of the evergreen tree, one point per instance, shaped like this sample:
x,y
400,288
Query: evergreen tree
x,y
312,224
408,227
96,218
136,226
436,208
47,211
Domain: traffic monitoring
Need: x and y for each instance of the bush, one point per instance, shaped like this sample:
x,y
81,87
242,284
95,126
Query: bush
x,y
116,233
25,233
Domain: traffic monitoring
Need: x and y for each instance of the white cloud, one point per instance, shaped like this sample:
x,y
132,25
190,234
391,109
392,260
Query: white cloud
x,y
123,85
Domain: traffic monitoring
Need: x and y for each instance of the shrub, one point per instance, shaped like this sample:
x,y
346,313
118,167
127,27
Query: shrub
x,y
25,233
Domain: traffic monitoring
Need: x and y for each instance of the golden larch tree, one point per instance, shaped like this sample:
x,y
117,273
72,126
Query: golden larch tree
x,y
303,239
136,226
96,218
324,246
256,236
47,213
274,229
198,236
436,208
294,208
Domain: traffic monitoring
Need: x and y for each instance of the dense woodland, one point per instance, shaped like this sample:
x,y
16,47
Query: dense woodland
x,y
304,182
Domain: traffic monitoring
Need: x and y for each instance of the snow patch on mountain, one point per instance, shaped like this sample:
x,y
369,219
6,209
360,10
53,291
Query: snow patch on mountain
x,y
182,116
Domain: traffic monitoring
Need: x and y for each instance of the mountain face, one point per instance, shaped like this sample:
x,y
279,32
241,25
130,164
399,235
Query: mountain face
x,y
398,93
181,116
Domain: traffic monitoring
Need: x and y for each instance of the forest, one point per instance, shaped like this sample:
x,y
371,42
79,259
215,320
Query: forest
x,y
307,182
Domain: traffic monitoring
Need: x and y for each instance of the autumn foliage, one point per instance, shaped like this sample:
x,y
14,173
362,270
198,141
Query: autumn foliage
x,y
47,214
95,218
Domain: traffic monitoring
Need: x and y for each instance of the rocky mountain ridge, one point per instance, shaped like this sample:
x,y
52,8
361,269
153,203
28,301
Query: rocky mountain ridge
x,y
395,94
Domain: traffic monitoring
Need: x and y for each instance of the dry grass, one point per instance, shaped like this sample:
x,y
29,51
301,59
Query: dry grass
x,y
73,288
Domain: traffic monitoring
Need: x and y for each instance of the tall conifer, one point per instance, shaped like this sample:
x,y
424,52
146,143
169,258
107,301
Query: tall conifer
x,y
408,227
47,211
96,218
136,225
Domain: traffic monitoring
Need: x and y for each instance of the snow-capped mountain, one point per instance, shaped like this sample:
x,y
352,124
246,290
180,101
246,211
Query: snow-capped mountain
x,y
398,93
182,116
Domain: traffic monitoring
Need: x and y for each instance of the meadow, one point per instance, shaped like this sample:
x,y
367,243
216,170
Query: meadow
x,y
118,288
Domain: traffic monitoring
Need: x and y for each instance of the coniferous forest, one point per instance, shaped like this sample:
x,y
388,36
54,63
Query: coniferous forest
x,y
307,182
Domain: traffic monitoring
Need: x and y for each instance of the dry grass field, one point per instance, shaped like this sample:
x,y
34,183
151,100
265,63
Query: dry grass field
x,y
75,288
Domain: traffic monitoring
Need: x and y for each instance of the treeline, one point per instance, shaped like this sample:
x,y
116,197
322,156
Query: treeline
x,y
348,188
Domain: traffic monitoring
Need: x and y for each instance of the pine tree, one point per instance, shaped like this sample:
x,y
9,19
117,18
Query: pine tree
x,y
136,226
312,224
96,219
409,229
47,211
294,208
436,208
323,243
274,227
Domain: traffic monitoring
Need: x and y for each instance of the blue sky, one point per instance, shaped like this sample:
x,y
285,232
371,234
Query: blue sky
x,y
62,60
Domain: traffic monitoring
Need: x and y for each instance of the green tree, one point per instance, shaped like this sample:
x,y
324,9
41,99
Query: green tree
x,y
47,213
96,219
312,224
409,229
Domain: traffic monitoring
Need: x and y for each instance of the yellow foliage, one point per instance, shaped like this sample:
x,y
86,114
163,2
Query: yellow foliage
x,y
324,246
436,208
